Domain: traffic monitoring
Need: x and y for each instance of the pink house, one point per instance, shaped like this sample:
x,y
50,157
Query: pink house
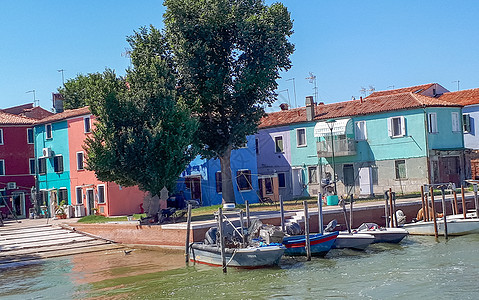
x,y
87,192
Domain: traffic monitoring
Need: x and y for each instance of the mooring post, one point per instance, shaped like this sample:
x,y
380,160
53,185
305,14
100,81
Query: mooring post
x,y
386,208
463,202
320,214
454,194
476,203
394,209
281,209
351,211
222,238
443,192
243,238
345,215
188,225
306,230
248,220
422,202
433,212
426,200
391,207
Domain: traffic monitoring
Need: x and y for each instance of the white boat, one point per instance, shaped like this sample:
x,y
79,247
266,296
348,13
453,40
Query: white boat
x,y
357,241
456,225
382,234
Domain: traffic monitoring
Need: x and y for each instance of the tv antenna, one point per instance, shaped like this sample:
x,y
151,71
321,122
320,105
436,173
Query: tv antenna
x,y
312,79
363,91
457,83
294,90
35,101
63,78
287,91
391,87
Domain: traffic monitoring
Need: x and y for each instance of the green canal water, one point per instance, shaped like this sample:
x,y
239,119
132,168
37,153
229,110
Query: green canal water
x,y
418,268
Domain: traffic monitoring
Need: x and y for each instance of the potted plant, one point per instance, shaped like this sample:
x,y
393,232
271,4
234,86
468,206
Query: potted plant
x,y
60,210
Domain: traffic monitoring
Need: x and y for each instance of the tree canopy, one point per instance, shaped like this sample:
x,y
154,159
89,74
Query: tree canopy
x,y
228,54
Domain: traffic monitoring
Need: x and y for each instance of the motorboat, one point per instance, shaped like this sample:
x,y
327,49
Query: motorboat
x,y
456,225
353,240
383,234
320,244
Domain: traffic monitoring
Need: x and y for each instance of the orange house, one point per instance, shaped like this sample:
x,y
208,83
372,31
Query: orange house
x,y
90,195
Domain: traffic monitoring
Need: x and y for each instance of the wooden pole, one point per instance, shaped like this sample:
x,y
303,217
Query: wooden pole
x,y
444,211
351,211
320,214
222,238
281,209
345,216
386,208
476,203
248,219
422,202
426,199
306,230
456,210
433,212
391,209
187,245
394,210
243,238
463,202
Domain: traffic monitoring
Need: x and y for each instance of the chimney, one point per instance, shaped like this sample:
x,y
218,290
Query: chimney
x,y
361,99
284,106
309,108
57,102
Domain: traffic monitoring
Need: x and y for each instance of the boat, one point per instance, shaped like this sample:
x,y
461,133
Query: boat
x,y
320,244
456,225
382,234
356,241
250,257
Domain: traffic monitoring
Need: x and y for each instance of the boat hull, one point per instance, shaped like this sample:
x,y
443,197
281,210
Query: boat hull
x,y
455,226
320,244
357,241
254,257
387,235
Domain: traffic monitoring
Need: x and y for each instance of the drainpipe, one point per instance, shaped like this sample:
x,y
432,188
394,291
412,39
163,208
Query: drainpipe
x,y
427,146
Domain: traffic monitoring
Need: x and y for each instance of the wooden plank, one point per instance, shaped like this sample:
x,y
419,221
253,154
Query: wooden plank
x,y
30,234
53,248
32,239
45,243
11,228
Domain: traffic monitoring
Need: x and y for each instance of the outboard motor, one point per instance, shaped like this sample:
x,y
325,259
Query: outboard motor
x,y
293,229
210,236
331,225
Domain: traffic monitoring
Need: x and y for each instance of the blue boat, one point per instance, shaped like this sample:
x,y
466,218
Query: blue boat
x,y
320,244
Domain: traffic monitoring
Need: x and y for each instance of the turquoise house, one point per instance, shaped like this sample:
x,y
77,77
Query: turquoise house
x,y
394,139
52,157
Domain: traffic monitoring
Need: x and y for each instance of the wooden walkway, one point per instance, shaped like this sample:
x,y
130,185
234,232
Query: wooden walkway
x,y
29,241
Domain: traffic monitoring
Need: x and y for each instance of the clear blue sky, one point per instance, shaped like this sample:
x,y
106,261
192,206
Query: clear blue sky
x,y
346,44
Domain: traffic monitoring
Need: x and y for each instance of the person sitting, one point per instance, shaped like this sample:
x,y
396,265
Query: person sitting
x,y
420,214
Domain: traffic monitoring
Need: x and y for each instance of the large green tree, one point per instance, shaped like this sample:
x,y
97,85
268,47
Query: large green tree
x,y
228,55
144,130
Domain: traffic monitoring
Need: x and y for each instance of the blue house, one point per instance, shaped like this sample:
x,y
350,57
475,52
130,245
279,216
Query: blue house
x,y
202,178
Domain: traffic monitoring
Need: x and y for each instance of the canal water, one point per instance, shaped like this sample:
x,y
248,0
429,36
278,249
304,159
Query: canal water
x,y
418,268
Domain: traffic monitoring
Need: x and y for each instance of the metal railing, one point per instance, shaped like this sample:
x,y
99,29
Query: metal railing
x,y
342,147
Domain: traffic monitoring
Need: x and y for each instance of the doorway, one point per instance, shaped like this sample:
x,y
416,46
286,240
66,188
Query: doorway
x,y
297,174
193,183
90,201
18,204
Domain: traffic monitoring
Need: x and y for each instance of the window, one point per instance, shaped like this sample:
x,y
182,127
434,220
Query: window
x,y
432,123
101,193
348,174
466,120
48,130
2,167
42,165
243,180
456,127
397,126
79,194
32,166
219,186
281,180
278,143
400,167
361,133
87,124
300,137
268,183
80,160
1,136
256,145
62,195
30,135
313,174
58,163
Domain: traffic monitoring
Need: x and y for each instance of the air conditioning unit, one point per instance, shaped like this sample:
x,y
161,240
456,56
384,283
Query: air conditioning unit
x,y
47,152
11,185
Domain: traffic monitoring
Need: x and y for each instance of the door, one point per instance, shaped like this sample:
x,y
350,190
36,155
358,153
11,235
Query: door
x,y
365,181
450,169
194,185
297,181
90,201
18,204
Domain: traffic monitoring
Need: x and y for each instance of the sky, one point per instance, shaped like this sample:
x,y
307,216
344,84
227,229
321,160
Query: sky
x,y
346,44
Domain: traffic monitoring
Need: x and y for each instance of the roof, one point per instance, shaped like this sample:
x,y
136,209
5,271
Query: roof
x,y
28,110
65,115
11,119
411,89
465,97
370,105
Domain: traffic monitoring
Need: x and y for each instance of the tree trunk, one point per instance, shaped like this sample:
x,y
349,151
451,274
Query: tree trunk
x,y
226,177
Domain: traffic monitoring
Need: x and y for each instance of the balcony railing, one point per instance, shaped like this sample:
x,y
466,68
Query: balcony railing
x,y
342,147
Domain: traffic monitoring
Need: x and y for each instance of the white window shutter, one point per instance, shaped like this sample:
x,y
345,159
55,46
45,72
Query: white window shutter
x,y
403,126
390,126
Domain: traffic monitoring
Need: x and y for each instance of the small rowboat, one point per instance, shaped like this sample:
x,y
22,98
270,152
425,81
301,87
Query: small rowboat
x,y
320,244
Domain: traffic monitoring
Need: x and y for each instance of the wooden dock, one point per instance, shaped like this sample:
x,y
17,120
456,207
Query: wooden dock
x,y
29,241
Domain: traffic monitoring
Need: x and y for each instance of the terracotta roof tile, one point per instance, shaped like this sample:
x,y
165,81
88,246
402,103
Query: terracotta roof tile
x,y
411,89
465,97
65,115
11,119
367,106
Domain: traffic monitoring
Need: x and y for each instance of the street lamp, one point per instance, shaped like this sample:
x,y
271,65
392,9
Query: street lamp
x,y
330,124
